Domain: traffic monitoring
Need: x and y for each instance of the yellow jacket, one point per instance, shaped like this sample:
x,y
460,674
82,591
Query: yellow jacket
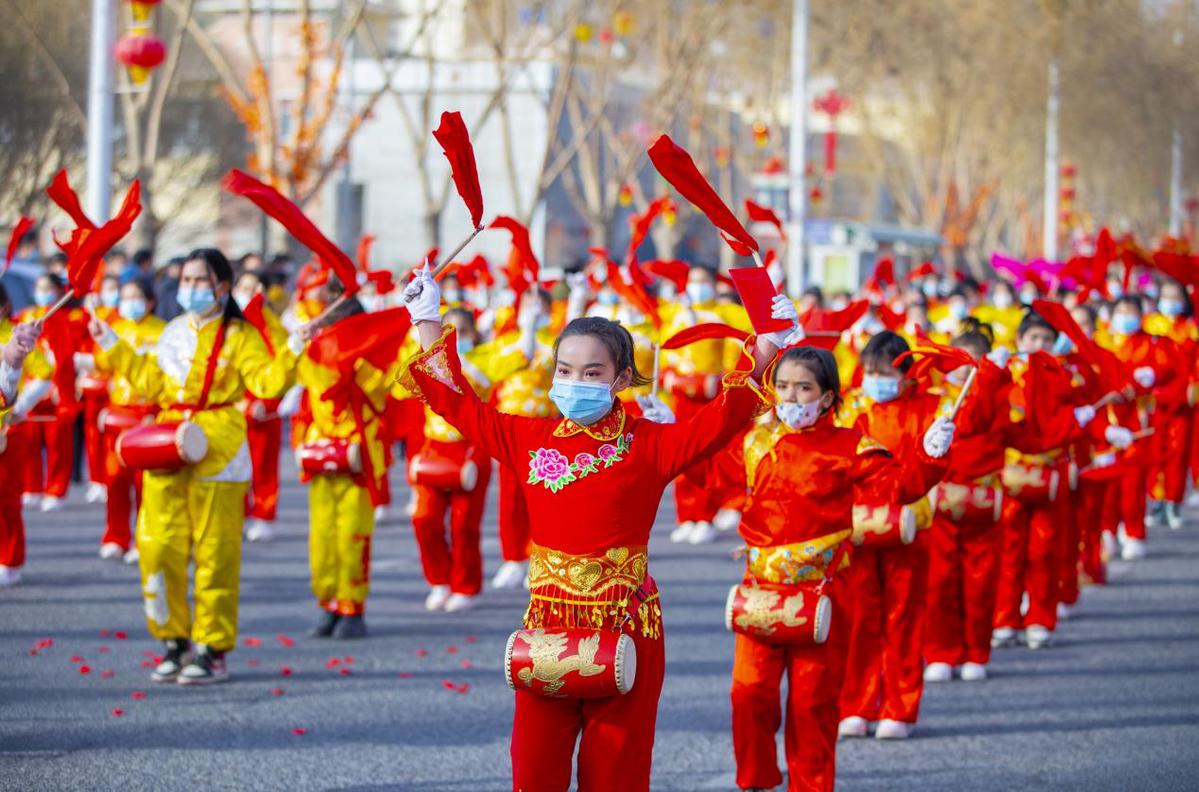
x,y
172,374
332,420
141,336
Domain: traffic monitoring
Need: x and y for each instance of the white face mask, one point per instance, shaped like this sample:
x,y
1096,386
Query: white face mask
x,y
796,415
1002,300
242,299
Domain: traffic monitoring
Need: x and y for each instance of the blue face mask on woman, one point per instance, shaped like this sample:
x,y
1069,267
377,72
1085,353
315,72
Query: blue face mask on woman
x,y
880,389
1125,324
43,298
196,299
582,402
1170,307
1063,345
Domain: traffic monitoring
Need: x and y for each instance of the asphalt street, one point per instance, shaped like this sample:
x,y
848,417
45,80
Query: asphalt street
x,y
422,704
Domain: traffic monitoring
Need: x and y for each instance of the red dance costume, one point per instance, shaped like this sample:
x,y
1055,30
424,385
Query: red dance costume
x,y
803,484
592,493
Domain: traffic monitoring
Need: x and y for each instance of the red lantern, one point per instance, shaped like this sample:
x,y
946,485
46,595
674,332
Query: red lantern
x,y
761,134
141,54
626,195
1068,170
817,195
1068,193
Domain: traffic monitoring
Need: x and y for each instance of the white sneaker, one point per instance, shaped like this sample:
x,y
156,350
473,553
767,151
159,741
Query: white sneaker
x,y
96,493
509,575
702,533
681,534
938,672
853,726
726,520
131,556
1110,546
31,499
1132,550
9,576
260,531
1173,516
110,551
459,602
51,504
438,595
1063,612
893,730
382,513
1193,497
410,506
1002,636
973,672
1151,515
1024,604
1037,636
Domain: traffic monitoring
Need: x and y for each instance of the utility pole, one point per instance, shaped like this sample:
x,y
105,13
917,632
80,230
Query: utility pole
x,y
1053,102
101,64
797,191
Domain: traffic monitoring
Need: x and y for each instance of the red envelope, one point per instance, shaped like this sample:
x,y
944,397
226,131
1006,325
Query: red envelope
x,y
757,294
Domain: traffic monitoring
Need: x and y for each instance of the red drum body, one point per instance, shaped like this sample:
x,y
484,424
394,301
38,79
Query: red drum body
x,y
1031,483
441,473
114,419
162,446
969,502
92,387
889,526
790,615
330,457
570,662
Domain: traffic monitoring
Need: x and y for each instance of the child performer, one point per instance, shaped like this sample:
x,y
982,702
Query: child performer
x,y
592,481
804,464
195,513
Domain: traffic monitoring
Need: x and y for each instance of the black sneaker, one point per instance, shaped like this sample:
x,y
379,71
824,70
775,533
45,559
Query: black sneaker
x,y
349,628
325,624
208,668
173,660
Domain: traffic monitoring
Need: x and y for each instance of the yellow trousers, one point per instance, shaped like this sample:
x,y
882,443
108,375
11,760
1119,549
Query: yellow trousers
x,y
341,520
182,519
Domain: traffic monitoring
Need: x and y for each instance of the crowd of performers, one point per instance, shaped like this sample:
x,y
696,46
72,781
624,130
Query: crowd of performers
x,y
889,538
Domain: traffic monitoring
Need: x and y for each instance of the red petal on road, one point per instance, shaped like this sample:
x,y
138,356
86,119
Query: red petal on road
x,y
333,662
120,635
118,712
422,652
447,684
147,664
44,643
105,633
463,688
466,664
471,639
147,653
253,662
347,660
107,673
77,659
85,669
285,640
345,672
299,731
251,642
276,691
285,670
33,652
451,650
138,695
104,649
405,675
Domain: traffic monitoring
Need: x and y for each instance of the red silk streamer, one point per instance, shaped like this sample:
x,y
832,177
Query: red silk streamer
x,y
384,283
363,254
270,201
641,223
375,336
1179,266
88,245
701,332
19,231
1106,365
471,273
923,271
892,320
764,214
819,319
633,293
522,268
935,357
455,142
254,315
677,167
672,270
883,275
61,193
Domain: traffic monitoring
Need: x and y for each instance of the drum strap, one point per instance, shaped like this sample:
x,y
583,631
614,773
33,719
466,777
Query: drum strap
x,y
834,562
209,375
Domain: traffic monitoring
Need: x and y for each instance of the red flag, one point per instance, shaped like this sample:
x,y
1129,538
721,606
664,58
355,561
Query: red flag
x,y
641,223
701,332
19,231
383,280
522,269
377,337
883,275
269,200
935,357
455,142
821,320
1179,266
764,214
88,246
677,167
61,193
363,255
254,315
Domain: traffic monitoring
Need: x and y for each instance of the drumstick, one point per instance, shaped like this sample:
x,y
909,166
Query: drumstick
x,y
1106,400
445,262
657,368
957,405
1141,435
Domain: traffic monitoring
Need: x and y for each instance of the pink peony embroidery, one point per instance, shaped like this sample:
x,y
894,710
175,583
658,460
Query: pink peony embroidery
x,y
607,451
550,464
554,470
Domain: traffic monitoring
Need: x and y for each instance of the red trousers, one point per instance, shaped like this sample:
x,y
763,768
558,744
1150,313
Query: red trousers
x,y
457,562
617,745
1168,477
1029,563
815,675
1069,551
12,524
1127,498
963,574
884,676
513,518
56,435
265,438
93,438
1094,518
124,496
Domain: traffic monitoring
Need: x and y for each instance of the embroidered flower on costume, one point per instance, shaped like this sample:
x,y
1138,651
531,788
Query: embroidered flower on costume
x,y
554,469
585,463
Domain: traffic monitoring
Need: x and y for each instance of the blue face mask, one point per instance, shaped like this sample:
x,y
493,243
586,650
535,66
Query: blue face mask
x,y
1125,324
1063,345
43,299
133,310
195,299
582,402
1170,307
701,292
959,310
880,389
607,298
109,298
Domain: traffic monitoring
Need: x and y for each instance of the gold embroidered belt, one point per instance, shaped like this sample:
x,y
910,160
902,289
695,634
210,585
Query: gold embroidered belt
x,y
798,562
593,590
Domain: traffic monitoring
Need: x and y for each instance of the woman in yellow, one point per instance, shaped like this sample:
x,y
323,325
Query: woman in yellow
x,y
345,408
195,514
138,327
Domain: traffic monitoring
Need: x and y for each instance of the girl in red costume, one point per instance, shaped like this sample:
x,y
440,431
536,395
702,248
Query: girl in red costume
x,y
804,464
592,481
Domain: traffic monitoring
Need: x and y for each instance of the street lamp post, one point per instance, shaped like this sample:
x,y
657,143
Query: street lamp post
x,y
797,160
99,110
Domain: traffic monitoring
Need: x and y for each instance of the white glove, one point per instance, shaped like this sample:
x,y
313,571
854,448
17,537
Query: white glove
x,y
29,397
1103,460
9,378
938,438
289,405
84,362
1083,415
1118,436
655,410
295,342
576,301
726,519
1000,356
1145,377
783,308
423,297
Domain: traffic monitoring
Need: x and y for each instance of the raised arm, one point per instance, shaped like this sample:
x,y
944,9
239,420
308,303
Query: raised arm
x,y
115,356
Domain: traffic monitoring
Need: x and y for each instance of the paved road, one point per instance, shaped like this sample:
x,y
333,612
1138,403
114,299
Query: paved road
x,y
1113,705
